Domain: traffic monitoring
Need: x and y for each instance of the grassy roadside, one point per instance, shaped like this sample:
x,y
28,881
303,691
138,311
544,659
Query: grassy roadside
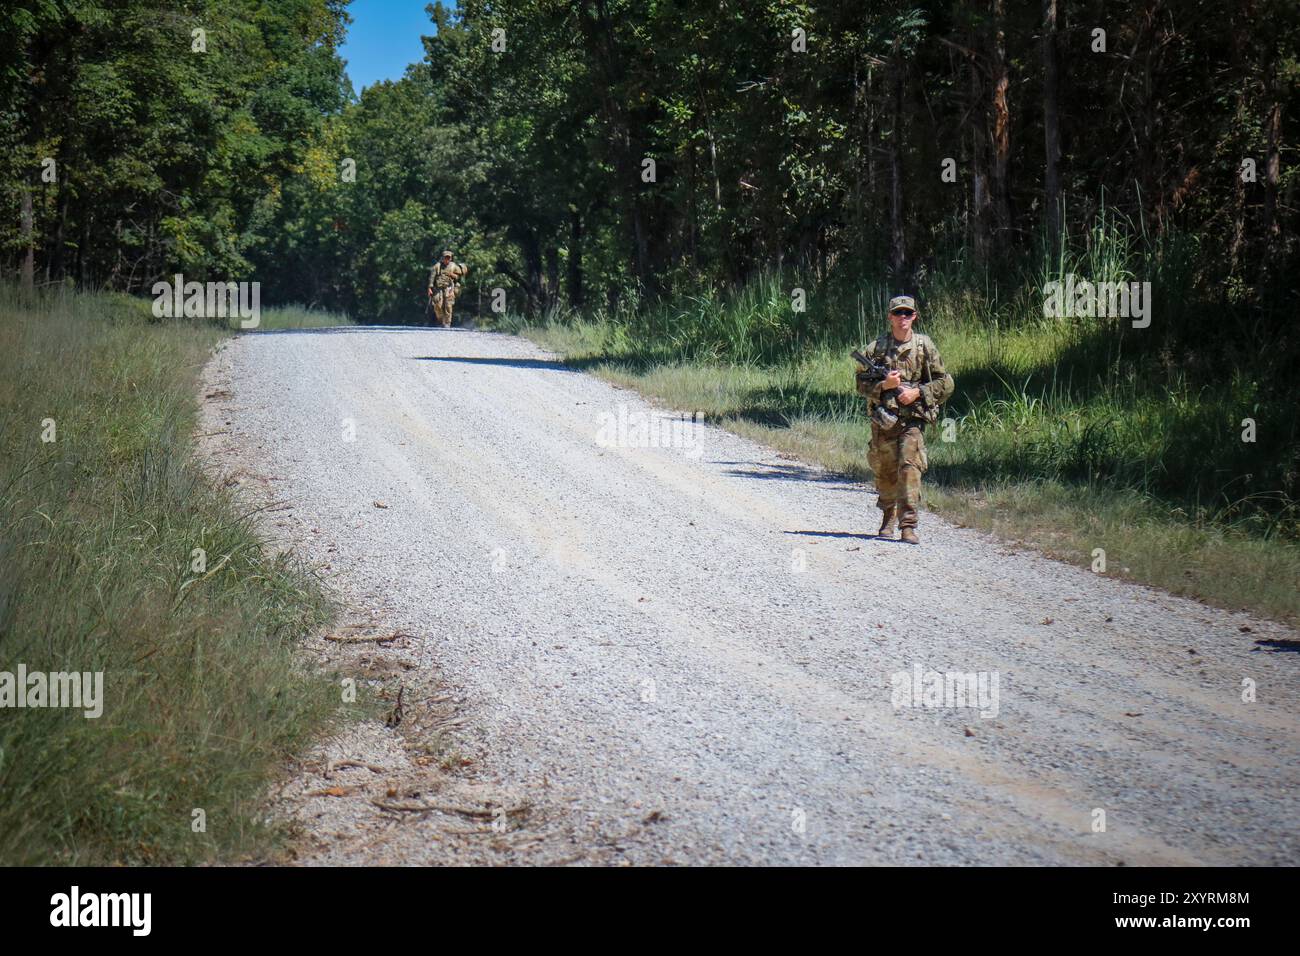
x,y
202,695
1066,469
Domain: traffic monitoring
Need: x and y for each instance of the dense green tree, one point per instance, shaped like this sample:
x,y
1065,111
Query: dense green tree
x,y
146,146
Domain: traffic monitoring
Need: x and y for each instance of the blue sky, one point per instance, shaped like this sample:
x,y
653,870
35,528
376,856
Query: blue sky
x,y
383,38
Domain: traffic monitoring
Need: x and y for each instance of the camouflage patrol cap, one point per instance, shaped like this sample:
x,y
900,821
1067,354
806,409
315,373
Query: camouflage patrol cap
x,y
902,302
446,253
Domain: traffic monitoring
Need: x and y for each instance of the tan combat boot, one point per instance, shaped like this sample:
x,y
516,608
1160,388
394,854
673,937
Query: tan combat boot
x,y
887,523
907,518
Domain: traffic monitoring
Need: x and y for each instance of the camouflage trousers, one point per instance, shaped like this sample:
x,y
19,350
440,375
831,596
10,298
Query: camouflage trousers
x,y
443,301
898,461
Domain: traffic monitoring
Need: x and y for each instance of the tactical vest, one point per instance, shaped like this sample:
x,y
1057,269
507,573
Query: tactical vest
x,y
445,277
913,367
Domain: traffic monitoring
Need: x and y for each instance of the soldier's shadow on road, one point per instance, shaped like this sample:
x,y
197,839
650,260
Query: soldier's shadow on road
x,y
339,330
506,362
846,534
773,472
1279,644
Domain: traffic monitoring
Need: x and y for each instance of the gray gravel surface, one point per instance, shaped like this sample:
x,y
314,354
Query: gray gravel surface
x,y
688,654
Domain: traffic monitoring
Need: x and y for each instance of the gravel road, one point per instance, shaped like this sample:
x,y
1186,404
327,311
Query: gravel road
x,y
700,654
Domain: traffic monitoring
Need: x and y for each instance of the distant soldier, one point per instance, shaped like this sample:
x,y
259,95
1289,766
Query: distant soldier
x,y
910,396
444,279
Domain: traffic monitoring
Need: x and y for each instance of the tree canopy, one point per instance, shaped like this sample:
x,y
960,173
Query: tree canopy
x,y
582,154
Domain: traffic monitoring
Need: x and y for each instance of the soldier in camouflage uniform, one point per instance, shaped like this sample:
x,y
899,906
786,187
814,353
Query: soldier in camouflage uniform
x,y
444,279
897,454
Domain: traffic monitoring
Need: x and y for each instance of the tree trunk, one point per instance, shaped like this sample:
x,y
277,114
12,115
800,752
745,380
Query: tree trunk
x,y
1151,172
692,212
999,173
83,254
1240,42
1272,227
575,260
978,213
551,290
55,265
713,147
897,236
871,139
1051,130
29,243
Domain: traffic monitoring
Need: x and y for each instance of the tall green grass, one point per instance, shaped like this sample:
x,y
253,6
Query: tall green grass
x,y
296,317
98,530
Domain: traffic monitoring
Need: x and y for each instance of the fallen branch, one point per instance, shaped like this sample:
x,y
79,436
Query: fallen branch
x,y
478,812
340,764
370,639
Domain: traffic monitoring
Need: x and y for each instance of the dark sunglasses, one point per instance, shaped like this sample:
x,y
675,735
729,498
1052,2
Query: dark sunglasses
x,y
903,312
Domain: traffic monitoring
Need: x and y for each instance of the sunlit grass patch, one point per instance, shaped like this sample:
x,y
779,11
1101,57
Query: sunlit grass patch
x,y
297,317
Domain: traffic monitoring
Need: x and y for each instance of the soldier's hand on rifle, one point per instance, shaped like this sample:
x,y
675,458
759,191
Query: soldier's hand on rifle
x,y
907,396
892,380
431,292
